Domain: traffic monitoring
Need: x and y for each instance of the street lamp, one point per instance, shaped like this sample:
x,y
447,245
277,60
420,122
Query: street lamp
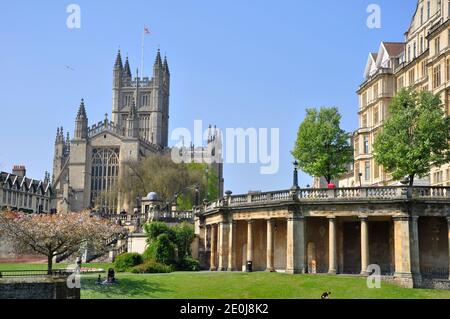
x,y
137,203
197,199
360,175
295,177
207,188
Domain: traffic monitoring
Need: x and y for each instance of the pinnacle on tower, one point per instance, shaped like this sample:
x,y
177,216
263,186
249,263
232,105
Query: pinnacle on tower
x,y
126,69
57,135
166,65
158,62
132,114
81,111
118,63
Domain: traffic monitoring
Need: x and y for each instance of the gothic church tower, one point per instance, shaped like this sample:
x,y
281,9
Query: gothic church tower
x,y
146,100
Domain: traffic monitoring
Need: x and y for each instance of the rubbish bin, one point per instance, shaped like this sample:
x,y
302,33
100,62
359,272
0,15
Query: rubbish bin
x,y
249,266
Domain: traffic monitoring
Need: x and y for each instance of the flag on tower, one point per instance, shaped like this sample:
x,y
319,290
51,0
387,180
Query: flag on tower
x,y
146,30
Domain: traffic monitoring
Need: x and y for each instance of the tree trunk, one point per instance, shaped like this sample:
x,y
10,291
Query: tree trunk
x,y
49,264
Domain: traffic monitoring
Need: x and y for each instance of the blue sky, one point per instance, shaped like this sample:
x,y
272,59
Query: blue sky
x,y
250,63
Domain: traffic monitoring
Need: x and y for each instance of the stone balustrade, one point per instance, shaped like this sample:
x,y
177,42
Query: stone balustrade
x,y
338,194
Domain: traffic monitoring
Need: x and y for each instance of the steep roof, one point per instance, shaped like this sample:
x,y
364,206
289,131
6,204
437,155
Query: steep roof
x,y
394,49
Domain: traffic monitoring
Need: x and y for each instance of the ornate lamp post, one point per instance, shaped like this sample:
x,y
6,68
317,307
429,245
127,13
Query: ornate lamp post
x,y
197,194
207,188
360,175
295,177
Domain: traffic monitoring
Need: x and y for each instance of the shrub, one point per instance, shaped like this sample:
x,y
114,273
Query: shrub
x,y
125,261
188,264
162,250
151,267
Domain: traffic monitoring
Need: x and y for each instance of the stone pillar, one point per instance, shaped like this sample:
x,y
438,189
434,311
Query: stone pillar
x,y
250,240
332,245
213,266
415,259
223,246
295,250
207,234
270,247
448,226
364,244
232,247
402,251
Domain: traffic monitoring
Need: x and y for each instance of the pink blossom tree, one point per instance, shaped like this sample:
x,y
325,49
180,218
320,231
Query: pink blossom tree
x,y
57,234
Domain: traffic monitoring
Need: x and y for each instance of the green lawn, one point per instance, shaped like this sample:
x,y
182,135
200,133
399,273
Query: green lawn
x,y
235,285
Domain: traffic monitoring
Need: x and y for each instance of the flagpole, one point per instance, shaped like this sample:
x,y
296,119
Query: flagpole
x,y
142,52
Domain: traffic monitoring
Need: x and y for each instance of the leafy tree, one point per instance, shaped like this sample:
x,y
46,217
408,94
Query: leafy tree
x,y
322,147
57,234
184,234
154,229
180,236
160,174
415,137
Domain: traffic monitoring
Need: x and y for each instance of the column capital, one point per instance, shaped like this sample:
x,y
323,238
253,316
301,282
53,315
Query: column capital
x,y
363,218
331,218
415,218
448,219
250,221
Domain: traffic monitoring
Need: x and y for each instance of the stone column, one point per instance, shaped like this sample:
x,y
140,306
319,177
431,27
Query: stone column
x,y
364,244
332,245
415,259
213,266
270,242
295,250
207,234
223,246
448,226
232,247
250,240
402,251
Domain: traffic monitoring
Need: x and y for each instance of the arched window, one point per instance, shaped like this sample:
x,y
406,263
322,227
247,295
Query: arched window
x,y
104,177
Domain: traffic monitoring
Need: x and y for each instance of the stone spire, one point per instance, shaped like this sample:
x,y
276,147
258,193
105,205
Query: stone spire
x,y
132,122
81,123
126,69
81,111
158,62
118,64
166,66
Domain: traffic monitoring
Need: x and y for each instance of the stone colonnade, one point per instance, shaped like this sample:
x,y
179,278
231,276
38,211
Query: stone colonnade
x,y
222,238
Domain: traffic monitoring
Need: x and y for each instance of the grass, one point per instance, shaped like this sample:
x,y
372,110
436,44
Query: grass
x,y
218,285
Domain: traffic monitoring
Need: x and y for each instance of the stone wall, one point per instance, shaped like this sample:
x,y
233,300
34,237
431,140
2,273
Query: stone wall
x,y
37,288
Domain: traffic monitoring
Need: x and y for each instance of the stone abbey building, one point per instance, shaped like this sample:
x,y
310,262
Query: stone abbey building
x,y
92,162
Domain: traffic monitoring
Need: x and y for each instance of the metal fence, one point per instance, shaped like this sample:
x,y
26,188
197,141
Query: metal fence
x,y
34,273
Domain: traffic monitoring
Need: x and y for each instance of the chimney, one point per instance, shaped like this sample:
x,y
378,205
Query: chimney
x,y
19,170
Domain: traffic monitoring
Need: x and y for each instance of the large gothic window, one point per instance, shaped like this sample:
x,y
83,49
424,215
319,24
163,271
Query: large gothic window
x,y
104,177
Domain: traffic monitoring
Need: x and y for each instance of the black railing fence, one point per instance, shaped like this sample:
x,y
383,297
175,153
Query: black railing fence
x,y
34,273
